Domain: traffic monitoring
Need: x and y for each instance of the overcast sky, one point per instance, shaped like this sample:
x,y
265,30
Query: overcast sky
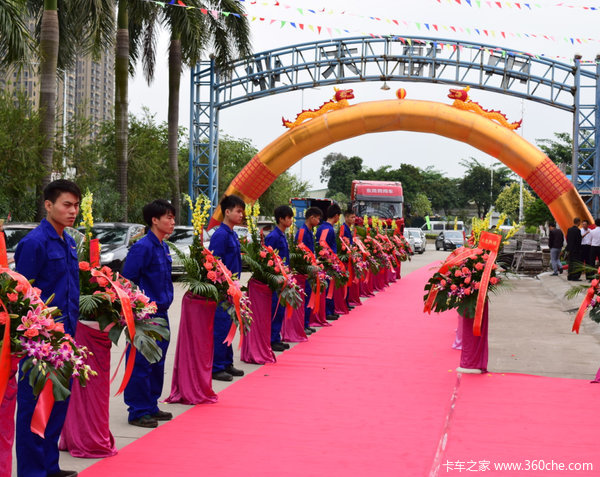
x,y
260,120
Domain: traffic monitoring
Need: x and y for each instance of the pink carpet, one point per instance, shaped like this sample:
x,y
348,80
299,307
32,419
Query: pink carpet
x,y
375,394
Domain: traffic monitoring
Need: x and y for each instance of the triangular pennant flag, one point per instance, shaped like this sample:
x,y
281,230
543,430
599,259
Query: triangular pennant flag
x,y
301,12
319,29
204,11
225,14
301,25
283,22
293,24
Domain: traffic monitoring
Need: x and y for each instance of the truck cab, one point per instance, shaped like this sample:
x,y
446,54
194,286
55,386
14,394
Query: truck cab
x,y
382,199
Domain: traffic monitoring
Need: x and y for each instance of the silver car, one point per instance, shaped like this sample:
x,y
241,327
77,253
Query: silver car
x,y
417,239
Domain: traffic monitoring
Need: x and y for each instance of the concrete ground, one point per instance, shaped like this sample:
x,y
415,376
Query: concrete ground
x,y
530,332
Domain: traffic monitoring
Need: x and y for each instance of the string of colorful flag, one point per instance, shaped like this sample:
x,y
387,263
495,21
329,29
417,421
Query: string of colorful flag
x,y
420,26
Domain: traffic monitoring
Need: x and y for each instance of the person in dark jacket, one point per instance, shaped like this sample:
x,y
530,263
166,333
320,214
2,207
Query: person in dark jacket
x,y
574,249
556,239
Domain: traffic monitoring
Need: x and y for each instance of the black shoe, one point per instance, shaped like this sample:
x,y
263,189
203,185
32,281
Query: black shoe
x,y
307,331
162,415
144,421
314,330
560,271
222,376
278,346
234,371
64,473
331,317
555,274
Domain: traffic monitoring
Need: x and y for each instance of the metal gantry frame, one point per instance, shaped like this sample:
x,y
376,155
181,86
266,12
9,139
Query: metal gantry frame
x,y
574,88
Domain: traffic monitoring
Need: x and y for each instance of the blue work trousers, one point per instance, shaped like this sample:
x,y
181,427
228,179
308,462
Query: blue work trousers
x,y
277,314
223,354
36,457
329,304
307,311
146,383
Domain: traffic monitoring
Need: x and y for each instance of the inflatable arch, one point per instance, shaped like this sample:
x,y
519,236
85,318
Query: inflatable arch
x,y
522,157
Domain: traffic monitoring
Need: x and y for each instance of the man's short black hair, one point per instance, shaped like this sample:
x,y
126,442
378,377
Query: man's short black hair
x,y
552,223
576,221
283,212
313,212
349,211
157,208
597,221
231,202
333,210
60,186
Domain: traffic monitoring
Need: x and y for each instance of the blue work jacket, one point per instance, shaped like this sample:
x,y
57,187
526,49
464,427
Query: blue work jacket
x,y
225,244
347,232
148,265
53,265
330,237
278,241
307,238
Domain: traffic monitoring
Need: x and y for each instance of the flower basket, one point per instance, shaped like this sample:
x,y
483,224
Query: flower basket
x,y
86,432
256,346
354,294
192,370
339,300
318,318
293,328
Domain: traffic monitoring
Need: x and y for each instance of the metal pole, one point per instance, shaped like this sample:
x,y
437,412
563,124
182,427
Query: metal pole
x,y
576,112
596,197
192,133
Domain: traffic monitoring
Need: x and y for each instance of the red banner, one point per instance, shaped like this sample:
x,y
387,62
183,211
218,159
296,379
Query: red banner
x,y
491,242
94,253
3,254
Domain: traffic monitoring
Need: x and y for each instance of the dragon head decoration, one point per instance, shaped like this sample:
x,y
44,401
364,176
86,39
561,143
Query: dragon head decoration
x,y
459,94
341,94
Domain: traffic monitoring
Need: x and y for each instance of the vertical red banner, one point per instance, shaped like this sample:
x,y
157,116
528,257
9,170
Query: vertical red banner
x,y
3,254
491,242
94,253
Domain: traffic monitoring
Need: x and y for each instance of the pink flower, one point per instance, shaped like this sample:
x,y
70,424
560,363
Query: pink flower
x,y
457,273
270,263
494,280
263,254
465,270
208,265
85,266
453,287
212,276
12,297
467,280
479,266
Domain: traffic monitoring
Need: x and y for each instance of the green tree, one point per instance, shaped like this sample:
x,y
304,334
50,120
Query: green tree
x,y
20,144
328,161
537,213
559,150
508,200
342,173
14,36
477,185
421,205
192,32
234,154
64,29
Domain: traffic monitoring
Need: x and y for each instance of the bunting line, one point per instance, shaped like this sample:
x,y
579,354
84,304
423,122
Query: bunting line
x,y
426,27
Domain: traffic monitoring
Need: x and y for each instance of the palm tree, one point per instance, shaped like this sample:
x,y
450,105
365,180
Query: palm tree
x,y
134,17
65,27
192,33
14,35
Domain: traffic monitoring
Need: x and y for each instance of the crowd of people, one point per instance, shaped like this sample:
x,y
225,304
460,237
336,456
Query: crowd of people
x,y
581,252
48,257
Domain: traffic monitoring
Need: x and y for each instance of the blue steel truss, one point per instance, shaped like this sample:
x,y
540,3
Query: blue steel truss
x,y
574,88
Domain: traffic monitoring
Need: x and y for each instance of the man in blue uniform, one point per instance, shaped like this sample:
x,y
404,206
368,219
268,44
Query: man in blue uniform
x,y
305,234
148,265
346,231
48,255
326,232
277,239
225,244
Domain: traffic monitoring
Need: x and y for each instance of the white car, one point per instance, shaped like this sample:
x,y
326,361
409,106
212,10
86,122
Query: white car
x,y
417,239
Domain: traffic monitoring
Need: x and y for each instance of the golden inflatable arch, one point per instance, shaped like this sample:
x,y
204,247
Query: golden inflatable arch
x,y
522,157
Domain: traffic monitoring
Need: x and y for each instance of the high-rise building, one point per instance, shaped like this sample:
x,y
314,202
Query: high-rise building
x,y
87,89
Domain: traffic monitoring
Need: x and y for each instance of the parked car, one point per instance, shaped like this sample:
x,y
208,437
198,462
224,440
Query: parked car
x,y
418,238
14,232
449,240
115,240
182,237
240,230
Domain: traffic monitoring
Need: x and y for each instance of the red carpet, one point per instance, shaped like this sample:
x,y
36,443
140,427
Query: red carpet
x,y
372,396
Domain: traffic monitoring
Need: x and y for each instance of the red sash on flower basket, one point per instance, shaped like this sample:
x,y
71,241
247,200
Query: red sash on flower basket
x,y
315,296
584,305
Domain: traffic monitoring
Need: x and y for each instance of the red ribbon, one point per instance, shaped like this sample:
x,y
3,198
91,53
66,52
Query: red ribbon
x,y
3,254
127,313
94,253
491,242
315,296
584,305
43,409
236,296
